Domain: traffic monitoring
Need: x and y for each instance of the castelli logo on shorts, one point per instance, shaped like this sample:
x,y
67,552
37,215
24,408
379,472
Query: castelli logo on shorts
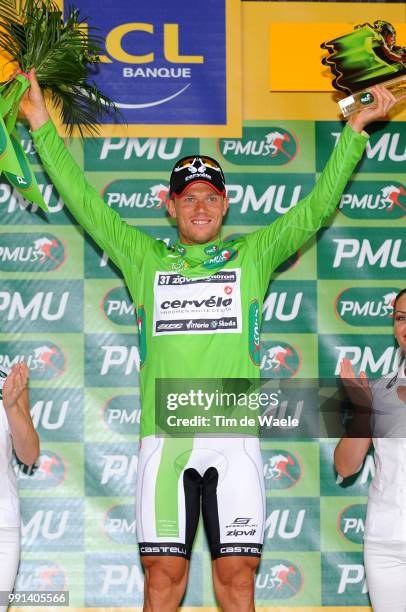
x,y
31,252
283,468
278,579
351,523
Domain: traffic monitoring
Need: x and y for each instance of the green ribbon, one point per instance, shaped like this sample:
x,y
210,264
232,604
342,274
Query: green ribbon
x,y
13,160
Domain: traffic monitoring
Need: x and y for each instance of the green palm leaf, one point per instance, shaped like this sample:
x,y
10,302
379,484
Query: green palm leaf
x,y
34,34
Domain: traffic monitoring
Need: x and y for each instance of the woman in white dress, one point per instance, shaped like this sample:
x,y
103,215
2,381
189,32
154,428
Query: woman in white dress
x,y
385,526
16,431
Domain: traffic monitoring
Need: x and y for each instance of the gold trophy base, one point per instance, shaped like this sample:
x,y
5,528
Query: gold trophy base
x,y
361,99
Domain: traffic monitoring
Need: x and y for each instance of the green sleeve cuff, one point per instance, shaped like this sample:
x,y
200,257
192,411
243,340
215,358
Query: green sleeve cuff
x,y
362,135
45,128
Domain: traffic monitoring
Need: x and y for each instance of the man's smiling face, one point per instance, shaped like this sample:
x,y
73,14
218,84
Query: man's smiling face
x,y
199,213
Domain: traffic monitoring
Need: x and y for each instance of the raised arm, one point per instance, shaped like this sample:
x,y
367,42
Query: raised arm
x,y
16,404
273,244
122,242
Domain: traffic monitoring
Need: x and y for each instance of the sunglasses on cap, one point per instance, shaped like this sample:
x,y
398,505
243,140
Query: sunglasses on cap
x,y
187,162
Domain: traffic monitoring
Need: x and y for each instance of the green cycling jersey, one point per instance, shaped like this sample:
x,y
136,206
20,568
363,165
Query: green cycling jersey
x,y
198,306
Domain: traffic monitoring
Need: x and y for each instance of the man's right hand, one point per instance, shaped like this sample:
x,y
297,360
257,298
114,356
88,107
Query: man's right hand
x,y
33,105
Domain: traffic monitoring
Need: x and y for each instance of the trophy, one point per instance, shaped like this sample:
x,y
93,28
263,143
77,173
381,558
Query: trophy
x,y
366,56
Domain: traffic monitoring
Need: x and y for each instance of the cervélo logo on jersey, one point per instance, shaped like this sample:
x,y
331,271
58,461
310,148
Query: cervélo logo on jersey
x,y
261,146
374,200
210,304
31,252
366,306
132,197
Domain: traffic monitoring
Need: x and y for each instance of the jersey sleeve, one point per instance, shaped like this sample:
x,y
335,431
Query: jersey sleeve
x,y
122,242
271,245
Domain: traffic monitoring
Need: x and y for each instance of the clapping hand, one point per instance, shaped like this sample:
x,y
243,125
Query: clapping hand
x,y
15,384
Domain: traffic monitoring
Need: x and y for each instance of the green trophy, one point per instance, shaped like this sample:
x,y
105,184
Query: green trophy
x,y
364,57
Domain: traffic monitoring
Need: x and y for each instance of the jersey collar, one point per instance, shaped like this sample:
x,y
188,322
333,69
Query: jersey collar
x,y
199,251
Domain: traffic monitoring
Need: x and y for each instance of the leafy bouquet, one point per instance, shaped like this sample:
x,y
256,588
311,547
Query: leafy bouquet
x,y
33,33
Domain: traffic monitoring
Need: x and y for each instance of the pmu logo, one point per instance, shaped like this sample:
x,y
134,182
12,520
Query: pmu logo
x,y
349,252
48,472
374,200
52,306
278,579
120,358
257,200
286,523
278,306
52,524
351,523
374,360
46,361
31,252
122,414
118,308
385,151
157,65
282,469
132,197
361,306
41,575
271,146
279,360
119,524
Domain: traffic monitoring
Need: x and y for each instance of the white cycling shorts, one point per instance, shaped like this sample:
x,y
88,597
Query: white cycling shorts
x,y
223,477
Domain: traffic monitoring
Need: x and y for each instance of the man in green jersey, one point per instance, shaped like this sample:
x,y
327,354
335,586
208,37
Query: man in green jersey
x,y
199,307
